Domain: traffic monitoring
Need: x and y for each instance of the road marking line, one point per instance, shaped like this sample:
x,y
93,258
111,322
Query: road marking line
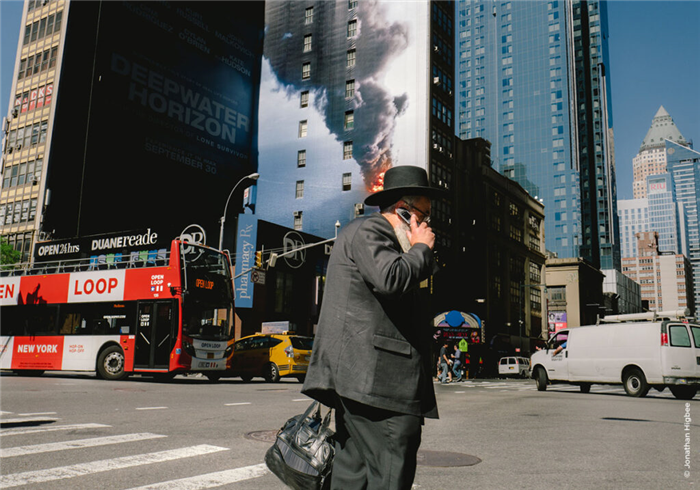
x,y
236,404
152,408
14,432
63,472
5,413
37,413
460,391
210,480
301,399
10,452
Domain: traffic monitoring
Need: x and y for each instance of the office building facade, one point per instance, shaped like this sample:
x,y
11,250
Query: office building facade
x,y
634,218
532,80
27,129
665,279
683,163
651,158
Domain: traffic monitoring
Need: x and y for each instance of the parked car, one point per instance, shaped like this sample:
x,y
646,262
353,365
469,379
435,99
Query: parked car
x,y
514,366
661,352
271,356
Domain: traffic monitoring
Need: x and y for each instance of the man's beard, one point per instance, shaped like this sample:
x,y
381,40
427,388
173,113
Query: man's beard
x,y
401,233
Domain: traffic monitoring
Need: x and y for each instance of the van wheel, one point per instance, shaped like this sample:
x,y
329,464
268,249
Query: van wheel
x,y
683,392
110,363
540,379
585,387
635,383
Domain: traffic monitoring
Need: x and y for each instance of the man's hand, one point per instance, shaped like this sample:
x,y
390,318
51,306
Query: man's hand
x,y
420,233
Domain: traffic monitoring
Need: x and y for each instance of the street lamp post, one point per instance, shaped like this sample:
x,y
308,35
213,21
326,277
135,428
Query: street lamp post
x,y
254,176
521,320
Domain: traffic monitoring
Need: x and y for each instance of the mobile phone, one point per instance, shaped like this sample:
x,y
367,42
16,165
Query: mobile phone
x,y
404,214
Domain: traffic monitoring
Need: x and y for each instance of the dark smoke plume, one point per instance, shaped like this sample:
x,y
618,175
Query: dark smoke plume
x,y
377,42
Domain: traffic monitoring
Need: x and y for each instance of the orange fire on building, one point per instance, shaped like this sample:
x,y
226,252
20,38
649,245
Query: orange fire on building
x,y
378,183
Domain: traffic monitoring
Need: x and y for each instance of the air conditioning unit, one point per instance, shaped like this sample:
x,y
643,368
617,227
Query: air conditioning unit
x,y
9,149
359,209
436,49
435,146
19,147
297,214
436,80
441,149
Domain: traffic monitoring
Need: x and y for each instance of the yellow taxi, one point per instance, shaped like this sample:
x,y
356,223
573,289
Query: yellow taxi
x,y
271,356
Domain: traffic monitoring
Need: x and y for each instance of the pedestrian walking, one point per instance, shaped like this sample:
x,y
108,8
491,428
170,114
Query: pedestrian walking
x,y
457,363
445,362
372,353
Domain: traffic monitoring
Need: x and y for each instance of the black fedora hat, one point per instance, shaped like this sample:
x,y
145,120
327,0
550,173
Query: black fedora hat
x,y
406,180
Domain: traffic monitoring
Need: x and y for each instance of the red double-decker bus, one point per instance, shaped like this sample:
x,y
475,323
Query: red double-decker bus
x,y
168,314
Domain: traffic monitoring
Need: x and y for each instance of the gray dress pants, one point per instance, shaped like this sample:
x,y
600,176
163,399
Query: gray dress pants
x,y
375,449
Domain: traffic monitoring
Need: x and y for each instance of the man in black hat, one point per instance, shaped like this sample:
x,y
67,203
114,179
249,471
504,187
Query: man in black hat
x,y
371,359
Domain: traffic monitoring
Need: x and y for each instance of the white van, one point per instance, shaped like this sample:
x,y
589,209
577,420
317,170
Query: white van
x,y
514,366
663,351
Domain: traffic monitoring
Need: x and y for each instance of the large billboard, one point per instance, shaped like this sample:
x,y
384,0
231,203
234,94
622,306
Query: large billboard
x,y
156,115
344,96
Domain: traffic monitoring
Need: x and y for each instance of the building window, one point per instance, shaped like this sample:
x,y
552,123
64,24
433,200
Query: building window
x,y
300,189
307,43
301,158
309,16
347,181
303,126
351,58
347,150
349,121
352,4
352,28
349,89
306,71
304,99
298,221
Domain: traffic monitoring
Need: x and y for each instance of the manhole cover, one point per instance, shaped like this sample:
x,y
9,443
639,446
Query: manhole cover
x,y
444,459
262,435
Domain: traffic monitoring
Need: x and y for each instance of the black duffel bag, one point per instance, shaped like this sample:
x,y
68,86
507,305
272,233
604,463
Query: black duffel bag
x,y
302,455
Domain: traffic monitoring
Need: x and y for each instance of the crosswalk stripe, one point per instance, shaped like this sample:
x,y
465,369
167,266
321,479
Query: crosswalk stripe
x,y
35,414
210,480
236,404
28,420
10,452
34,430
63,472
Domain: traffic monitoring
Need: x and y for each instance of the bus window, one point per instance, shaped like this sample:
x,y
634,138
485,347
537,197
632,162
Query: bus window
x,y
41,319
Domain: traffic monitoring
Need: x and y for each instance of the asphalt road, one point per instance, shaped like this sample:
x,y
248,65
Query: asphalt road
x,y
72,431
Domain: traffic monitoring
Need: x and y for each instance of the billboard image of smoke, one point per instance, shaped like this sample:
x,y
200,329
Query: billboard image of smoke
x,y
358,45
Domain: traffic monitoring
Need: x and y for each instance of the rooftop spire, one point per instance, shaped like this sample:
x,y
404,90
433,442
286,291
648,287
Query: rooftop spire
x,y
662,128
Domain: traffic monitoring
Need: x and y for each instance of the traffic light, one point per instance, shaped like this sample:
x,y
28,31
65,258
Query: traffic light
x,y
258,259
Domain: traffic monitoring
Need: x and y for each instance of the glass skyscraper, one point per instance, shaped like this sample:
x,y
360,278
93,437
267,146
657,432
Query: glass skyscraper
x,y
683,164
532,80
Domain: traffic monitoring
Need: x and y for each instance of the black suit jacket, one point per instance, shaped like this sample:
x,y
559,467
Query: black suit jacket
x,y
373,342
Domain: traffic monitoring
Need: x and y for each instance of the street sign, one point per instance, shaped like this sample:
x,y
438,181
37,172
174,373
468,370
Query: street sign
x,y
258,277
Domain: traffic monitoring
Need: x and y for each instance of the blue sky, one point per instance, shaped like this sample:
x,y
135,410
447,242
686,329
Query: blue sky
x,y
654,61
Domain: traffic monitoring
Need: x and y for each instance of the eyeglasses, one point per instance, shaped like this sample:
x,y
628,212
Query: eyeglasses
x,y
426,216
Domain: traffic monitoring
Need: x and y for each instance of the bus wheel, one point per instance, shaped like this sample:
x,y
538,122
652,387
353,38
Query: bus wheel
x,y
540,379
683,392
272,373
635,383
585,387
110,363
213,377
28,372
